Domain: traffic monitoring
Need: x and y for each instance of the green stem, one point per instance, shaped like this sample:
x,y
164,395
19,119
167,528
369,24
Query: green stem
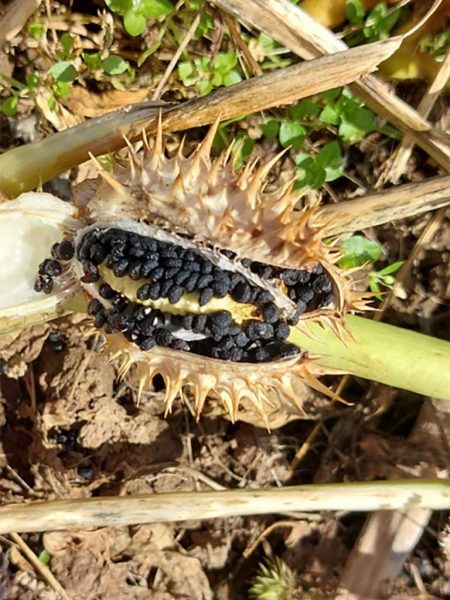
x,y
379,352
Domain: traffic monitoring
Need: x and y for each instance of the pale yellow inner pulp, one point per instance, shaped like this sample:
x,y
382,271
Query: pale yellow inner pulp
x,y
186,305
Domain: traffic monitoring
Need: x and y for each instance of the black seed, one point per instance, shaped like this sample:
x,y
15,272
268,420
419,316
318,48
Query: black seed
x,y
94,306
241,292
191,283
289,276
106,291
199,324
181,277
234,329
171,272
175,294
301,307
173,262
117,321
163,337
140,312
91,273
135,270
146,326
262,354
143,292
54,250
192,266
257,330
317,270
288,350
271,313
100,319
204,281
151,245
304,294
154,290
178,344
137,250
205,296
48,286
187,322
120,267
326,300
148,266
157,273
165,287
241,340
246,263
236,354
322,283
52,268
121,303
39,284
220,320
220,288
282,331
147,344
303,276
97,253
264,297
207,268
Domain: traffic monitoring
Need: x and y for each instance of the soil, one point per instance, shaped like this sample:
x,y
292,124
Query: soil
x,y
70,428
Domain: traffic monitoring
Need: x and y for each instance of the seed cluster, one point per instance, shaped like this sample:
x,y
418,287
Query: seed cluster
x,y
170,271
51,267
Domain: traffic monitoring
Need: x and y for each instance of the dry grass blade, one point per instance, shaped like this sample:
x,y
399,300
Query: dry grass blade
x,y
299,32
400,202
122,511
14,18
52,156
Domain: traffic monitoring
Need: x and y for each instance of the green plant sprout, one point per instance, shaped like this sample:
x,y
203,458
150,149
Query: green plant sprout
x,y
359,250
136,13
206,74
373,25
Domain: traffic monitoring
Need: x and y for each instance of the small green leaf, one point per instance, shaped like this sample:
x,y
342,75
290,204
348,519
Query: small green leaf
x,y
134,23
51,102
354,11
35,30
359,250
120,7
62,88
291,134
154,9
185,70
114,65
223,62
33,80
304,109
395,266
331,160
63,71
271,128
231,78
93,60
9,106
67,42
329,115
204,87
45,557
242,148
375,288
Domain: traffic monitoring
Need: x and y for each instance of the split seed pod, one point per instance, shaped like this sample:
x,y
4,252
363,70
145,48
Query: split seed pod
x,y
192,271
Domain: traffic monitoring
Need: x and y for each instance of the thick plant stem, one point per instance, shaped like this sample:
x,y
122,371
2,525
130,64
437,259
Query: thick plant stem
x,y
379,352
182,506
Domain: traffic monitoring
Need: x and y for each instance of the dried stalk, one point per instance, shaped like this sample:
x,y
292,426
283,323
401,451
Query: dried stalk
x,y
26,167
133,510
14,18
295,29
399,202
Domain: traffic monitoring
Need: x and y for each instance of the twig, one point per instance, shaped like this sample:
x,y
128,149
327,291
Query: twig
x,y
132,510
176,57
42,569
398,202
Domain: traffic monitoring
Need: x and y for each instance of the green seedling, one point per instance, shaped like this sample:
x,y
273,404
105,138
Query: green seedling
x,y
206,74
136,13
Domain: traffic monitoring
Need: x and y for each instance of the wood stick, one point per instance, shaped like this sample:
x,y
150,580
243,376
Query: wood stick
x,y
172,507
388,205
